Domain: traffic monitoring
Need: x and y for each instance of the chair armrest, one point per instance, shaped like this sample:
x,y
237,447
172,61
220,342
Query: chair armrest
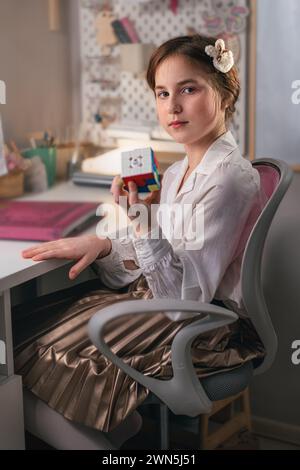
x,y
183,393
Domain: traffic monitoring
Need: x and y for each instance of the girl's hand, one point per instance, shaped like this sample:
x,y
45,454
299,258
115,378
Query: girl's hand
x,y
85,249
132,198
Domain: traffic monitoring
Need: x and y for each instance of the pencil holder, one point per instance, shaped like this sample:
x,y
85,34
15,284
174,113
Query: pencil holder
x,y
48,157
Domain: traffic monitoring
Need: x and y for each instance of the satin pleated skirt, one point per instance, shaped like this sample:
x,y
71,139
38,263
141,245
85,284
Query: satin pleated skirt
x,y
61,366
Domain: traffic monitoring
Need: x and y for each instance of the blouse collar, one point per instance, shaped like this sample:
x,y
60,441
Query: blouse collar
x,y
219,149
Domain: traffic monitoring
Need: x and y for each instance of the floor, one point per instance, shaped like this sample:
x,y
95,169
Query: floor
x,y
148,438
241,442
271,444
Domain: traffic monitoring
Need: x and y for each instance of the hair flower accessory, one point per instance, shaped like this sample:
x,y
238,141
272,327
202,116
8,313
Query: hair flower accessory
x,y
223,58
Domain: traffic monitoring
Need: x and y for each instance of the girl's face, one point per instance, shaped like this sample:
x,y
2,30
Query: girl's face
x,y
185,96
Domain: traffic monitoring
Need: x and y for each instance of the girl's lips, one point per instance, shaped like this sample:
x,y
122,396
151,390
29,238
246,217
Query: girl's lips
x,y
178,124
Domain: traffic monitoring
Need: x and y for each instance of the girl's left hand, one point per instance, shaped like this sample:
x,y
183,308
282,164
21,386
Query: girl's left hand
x,y
84,250
117,191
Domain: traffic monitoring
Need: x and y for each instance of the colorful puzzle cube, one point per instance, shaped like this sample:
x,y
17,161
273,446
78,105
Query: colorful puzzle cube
x,y
140,166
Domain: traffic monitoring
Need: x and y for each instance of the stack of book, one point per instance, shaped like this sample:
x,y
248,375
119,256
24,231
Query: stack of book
x,y
128,130
45,220
92,179
129,134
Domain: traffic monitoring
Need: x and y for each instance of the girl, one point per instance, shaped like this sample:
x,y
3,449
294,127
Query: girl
x,y
196,87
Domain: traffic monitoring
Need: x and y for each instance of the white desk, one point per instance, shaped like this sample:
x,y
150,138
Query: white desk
x,y
15,270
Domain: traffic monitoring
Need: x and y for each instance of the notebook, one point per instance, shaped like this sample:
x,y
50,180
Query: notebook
x,y
45,220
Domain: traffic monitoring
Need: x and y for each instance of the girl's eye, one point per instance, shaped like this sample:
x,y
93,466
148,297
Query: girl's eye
x,y
162,94
188,90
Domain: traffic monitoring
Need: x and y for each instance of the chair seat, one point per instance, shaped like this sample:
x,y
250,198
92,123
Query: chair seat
x,y
222,385
226,384
217,387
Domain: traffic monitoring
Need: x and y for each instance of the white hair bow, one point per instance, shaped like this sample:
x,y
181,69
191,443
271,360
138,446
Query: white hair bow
x,y
223,58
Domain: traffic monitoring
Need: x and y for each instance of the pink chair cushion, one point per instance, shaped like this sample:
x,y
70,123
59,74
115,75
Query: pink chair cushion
x,y
269,178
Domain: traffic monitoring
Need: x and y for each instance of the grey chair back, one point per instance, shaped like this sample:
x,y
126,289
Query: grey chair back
x,y
275,177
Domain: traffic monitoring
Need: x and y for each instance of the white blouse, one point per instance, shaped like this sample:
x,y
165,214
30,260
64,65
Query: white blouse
x,y
221,190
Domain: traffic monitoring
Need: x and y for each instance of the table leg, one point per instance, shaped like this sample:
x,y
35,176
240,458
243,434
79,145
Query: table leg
x,y
11,395
6,342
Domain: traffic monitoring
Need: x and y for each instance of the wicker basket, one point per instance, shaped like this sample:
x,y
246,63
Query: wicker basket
x,y
12,184
64,155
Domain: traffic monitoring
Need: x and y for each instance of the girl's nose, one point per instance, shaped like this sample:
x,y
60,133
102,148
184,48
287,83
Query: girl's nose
x,y
174,108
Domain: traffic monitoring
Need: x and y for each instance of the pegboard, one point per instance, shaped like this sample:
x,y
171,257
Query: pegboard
x,y
155,23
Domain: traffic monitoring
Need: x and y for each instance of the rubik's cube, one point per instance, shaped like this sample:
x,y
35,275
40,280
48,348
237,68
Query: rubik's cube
x,y
140,166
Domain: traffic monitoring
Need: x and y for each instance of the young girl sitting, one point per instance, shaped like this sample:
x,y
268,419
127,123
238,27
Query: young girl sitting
x,y
196,86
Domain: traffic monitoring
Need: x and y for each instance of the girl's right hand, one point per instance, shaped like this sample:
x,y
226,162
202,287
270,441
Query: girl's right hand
x,y
84,249
132,198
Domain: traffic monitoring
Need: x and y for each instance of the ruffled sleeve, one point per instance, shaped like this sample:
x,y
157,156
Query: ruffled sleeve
x,y
111,269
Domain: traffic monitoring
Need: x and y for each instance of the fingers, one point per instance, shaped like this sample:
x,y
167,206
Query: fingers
x,y
55,249
79,266
153,198
133,193
49,254
117,188
37,249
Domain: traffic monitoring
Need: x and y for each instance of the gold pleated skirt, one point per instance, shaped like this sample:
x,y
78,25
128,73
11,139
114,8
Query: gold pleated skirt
x,y
61,366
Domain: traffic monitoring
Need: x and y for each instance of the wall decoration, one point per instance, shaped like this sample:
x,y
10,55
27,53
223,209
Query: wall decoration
x,y
154,22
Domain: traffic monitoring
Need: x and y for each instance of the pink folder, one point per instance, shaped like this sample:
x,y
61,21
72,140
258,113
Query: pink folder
x,y
43,220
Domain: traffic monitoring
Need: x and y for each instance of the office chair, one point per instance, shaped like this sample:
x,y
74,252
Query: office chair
x,y
185,394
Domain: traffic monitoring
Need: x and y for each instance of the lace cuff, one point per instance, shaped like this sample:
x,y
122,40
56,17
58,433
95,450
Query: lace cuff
x,y
151,247
111,268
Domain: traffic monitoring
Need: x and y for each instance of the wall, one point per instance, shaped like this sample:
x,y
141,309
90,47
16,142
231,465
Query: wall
x,y
275,395
278,130
36,65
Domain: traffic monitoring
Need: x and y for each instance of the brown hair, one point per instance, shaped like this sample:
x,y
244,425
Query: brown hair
x,y
193,48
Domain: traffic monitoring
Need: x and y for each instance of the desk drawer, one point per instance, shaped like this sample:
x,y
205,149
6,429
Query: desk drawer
x,y
59,279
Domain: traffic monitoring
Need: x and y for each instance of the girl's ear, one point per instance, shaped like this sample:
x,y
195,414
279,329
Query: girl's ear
x,y
224,104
